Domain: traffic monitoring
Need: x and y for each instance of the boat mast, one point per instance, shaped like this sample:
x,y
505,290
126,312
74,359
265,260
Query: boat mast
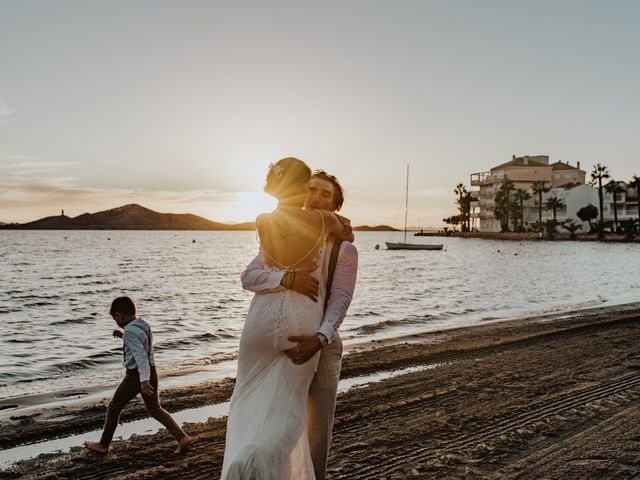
x,y
406,205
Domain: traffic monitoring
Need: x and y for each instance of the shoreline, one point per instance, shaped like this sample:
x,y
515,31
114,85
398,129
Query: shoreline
x,y
536,236
455,350
29,404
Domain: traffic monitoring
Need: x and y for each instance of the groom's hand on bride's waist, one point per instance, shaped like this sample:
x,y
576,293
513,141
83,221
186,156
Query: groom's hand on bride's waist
x,y
307,347
305,283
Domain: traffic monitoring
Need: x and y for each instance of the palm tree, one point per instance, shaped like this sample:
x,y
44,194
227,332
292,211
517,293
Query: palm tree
x,y
514,211
599,173
553,204
467,201
629,227
506,187
572,228
521,196
614,188
453,220
464,205
500,208
635,183
539,188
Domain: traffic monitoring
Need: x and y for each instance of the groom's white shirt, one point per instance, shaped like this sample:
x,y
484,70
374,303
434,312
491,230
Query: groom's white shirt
x,y
256,278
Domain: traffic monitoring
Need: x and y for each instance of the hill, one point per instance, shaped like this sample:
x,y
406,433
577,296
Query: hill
x,y
130,217
377,228
137,217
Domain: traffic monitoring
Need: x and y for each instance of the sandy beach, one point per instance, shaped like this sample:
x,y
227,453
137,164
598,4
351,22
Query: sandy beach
x,y
546,397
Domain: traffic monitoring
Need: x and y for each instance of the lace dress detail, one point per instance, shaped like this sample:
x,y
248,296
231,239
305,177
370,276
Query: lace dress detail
x,y
266,429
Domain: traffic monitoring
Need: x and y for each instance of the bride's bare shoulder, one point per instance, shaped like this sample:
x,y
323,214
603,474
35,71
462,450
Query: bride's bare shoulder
x,y
262,219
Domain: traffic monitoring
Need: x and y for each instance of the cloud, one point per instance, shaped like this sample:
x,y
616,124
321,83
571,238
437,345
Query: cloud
x,y
5,111
23,199
25,166
7,158
197,196
37,190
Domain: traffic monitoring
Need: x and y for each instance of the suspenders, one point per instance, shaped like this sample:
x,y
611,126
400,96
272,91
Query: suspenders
x,y
333,260
149,338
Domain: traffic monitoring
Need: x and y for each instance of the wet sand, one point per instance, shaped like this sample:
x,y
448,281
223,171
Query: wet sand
x,y
547,397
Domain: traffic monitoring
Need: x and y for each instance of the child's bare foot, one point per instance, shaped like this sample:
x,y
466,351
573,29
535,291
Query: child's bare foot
x,y
183,445
96,447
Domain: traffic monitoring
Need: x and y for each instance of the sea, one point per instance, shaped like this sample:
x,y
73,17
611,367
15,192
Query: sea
x,y
56,288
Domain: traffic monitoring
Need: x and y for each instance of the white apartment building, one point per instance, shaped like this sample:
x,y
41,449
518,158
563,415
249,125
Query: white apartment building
x,y
523,172
627,204
567,183
579,196
573,197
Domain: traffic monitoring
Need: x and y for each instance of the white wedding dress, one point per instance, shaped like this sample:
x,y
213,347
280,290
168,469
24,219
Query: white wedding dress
x,y
267,425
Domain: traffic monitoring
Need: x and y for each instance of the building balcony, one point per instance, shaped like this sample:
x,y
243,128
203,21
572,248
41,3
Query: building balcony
x,y
481,178
487,195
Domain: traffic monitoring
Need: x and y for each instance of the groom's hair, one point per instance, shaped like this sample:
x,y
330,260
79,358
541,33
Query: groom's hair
x,y
338,192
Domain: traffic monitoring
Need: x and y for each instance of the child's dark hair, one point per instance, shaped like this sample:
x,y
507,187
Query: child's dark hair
x,y
122,305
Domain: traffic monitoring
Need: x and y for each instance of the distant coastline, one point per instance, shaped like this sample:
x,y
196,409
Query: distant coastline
x,y
378,228
533,236
137,217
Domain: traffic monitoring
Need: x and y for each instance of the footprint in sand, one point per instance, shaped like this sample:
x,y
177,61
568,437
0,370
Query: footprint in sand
x,y
72,395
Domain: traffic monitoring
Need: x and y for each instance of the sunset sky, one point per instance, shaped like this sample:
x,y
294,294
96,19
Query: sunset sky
x,y
181,105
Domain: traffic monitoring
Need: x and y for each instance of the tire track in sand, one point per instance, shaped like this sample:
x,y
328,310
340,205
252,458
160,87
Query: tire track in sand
x,y
597,400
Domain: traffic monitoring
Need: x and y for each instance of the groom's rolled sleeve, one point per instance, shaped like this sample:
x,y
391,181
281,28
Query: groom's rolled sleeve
x,y
256,278
344,283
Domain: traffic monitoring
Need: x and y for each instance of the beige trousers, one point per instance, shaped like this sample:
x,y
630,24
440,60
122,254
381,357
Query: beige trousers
x,y
322,405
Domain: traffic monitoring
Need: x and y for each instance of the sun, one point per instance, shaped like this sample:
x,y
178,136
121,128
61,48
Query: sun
x,y
248,205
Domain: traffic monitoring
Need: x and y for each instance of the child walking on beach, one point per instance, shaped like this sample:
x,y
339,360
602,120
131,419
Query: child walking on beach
x,y
141,377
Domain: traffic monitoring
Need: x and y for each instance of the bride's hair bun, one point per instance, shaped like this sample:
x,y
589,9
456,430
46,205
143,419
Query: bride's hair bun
x,y
285,177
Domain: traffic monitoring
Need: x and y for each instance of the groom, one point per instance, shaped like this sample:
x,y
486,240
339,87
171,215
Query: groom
x,y
340,269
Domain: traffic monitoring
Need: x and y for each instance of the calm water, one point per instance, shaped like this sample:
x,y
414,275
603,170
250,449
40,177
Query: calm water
x,y
56,288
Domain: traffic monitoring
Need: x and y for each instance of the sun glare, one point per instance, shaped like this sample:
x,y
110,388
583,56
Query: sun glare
x,y
248,205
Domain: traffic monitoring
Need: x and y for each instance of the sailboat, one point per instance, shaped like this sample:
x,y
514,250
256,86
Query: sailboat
x,y
410,246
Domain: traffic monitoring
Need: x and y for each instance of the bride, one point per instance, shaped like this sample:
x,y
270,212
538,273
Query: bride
x,y
266,429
